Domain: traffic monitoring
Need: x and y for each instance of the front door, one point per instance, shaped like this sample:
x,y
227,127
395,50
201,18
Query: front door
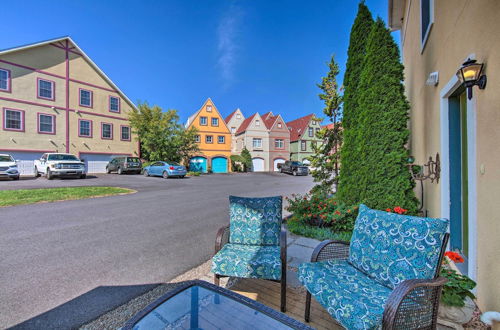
x,y
459,180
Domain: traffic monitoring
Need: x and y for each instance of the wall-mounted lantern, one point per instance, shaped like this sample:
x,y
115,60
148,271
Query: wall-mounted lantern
x,y
470,75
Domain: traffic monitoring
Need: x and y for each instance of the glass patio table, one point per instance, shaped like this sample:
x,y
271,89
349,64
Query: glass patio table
x,y
201,305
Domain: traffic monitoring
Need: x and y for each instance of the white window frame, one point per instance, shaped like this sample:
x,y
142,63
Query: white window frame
x,y
9,79
279,143
257,145
5,128
197,138
118,103
429,27
303,145
238,116
209,139
219,141
110,130
80,128
201,121
212,121
233,130
91,98
52,89
129,133
209,108
52,123
310,132
257,123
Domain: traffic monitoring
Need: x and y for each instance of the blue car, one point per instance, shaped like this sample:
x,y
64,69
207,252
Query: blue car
x,y
165,170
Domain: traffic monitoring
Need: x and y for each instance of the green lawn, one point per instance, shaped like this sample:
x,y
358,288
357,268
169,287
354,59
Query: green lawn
x,y
31,196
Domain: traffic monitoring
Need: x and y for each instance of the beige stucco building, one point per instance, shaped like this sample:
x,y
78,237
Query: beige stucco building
x,y
437,37
234,121
53,98
253,135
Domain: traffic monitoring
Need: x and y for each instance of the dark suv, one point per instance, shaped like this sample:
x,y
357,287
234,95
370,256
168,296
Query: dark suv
x,y
122,165
293,167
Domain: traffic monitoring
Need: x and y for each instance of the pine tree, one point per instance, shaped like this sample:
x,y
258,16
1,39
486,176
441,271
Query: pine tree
x,y
348,189
247,159
384,180
325,159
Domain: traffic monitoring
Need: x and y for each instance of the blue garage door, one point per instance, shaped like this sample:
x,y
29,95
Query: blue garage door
x,y
198,164
219,165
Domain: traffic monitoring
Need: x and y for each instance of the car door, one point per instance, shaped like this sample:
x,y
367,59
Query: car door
x,y
155,168
111,165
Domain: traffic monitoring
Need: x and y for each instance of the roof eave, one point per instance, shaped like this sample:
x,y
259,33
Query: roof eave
x,y
395,14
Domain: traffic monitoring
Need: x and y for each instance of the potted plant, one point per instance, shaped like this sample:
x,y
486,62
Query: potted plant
x,y
456,298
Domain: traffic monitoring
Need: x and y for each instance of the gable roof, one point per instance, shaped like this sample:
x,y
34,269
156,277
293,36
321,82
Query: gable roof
x,y
228,118
298,126
244,125
79,50
193,116
269,119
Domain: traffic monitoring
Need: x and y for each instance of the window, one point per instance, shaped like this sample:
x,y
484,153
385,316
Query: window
x,y
311,131
114,104
13,120
257,143
85,98
238,116
209,139
106,131
303,145
279,144
209,108
197,138
84,128
426,18
203,121
313,122
215,121
45,89
257,123
279,125
4,80
233,130
125,133
221,139
46,123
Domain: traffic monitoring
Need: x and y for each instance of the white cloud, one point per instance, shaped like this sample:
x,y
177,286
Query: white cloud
x,y
227,43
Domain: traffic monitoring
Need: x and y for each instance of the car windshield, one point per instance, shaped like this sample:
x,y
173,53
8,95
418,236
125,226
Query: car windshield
x,y
297,164
133,160
173,164
6,158
62,157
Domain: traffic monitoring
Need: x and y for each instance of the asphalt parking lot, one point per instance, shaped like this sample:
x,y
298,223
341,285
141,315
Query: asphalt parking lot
x,y
62,264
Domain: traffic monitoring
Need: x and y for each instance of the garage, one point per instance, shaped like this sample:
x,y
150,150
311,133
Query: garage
x,y
198,164
96,163
25,160
278,161
258,164
219,165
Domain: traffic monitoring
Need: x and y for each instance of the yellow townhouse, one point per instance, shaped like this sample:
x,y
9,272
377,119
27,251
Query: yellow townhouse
x,y
452,68
214,139
54,98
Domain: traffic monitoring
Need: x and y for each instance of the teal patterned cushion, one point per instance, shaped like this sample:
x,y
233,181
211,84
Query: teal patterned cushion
x,y
255,221
392,248
248,261
351,297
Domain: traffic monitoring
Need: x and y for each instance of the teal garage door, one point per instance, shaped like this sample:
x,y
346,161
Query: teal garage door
x,y
219,165
198,164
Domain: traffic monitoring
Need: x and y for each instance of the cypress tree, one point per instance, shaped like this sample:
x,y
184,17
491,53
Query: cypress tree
x,y
348,189
383,177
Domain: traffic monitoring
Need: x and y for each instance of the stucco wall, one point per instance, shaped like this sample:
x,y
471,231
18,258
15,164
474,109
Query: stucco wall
x,y
460,28
235,123
277,132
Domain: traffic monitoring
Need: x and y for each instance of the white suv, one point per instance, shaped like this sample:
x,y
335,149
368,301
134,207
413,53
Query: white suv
x,y
8,167
57,164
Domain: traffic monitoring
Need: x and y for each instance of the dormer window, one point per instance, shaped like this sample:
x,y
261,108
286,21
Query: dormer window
x,y
257,123
209,108
238,116
279,125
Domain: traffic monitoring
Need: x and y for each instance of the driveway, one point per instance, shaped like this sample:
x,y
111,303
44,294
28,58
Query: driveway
x,y
63,264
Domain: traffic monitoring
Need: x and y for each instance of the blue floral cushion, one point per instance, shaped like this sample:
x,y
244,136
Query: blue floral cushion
x,y
255,221
351,297
248,261
392,248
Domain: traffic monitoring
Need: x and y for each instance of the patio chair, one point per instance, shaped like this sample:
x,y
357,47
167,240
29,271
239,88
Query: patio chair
x,y
253,245
388,277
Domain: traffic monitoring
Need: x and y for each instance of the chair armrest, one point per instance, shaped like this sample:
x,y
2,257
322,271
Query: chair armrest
x,y
330,250
413,304
222,238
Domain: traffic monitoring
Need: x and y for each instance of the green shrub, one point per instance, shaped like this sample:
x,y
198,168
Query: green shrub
x,y
322,211
298,228
193,173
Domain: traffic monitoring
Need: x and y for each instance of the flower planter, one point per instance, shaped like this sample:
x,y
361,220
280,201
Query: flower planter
x,y
458,315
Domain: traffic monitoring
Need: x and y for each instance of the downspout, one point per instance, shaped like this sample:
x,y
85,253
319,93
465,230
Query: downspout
x,y
67,96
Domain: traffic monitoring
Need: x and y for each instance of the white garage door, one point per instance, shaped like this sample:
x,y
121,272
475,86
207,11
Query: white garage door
x,y
96,163
25,160
258,164
276,162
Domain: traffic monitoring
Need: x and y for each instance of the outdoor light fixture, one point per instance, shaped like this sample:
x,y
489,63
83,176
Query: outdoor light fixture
x,y
470,75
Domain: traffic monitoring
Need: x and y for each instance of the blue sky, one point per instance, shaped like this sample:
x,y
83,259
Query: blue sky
x,y
258,55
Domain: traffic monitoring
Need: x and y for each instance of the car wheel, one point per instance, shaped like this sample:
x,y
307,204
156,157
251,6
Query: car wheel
x,y
83,176
145,173
37,174
294,172
120,171
108,171
15,178
164,175
281,170
182,176
49,175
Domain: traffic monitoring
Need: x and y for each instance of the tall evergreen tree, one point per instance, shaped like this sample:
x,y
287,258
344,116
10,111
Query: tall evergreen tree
x,y
325,159
349,155
384,180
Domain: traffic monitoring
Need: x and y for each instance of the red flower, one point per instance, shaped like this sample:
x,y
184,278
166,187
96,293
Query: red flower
x,y
455,257
337,212
349,211
388,209
400,210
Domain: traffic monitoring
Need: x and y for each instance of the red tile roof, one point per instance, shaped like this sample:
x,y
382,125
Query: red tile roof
x,y
330,126
228,118
298,126
244,124
269,118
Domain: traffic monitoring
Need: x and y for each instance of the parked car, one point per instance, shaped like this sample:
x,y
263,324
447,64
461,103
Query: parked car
x,y
294,167
8,167
60,165
165,170
122,165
